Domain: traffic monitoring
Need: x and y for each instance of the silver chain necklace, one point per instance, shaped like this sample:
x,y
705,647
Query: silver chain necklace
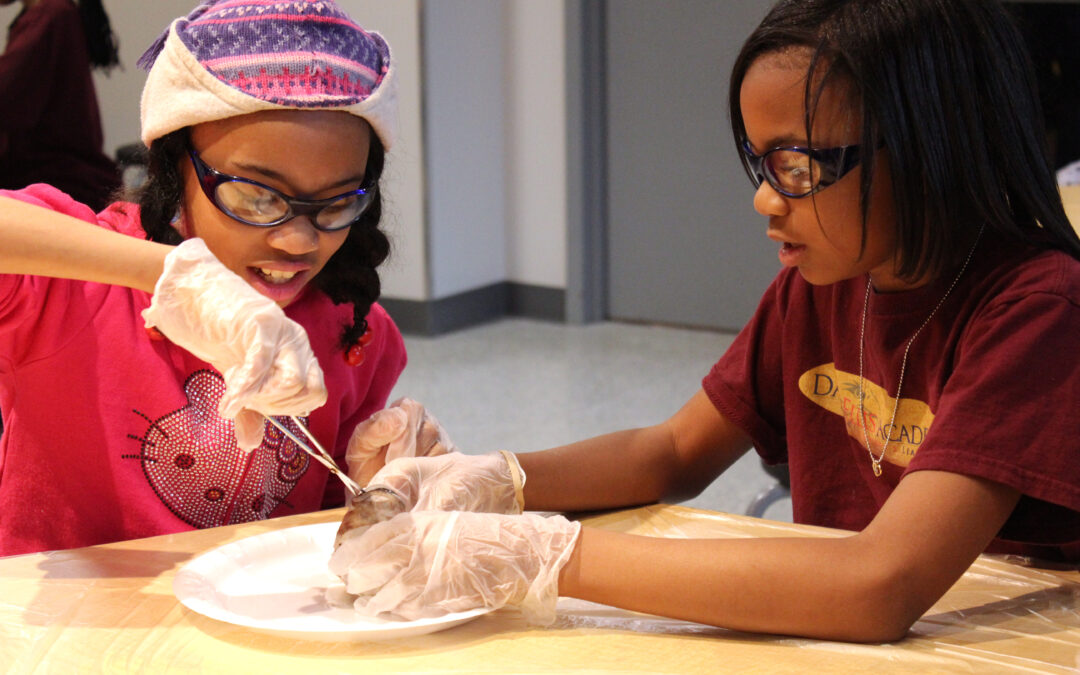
x,y
876,461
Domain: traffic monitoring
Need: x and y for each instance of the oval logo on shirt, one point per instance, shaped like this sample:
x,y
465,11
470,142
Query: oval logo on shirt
x,y
838,392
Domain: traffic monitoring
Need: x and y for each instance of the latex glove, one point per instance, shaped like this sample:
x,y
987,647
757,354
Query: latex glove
x,y
265,357
403,429
430,563
455,481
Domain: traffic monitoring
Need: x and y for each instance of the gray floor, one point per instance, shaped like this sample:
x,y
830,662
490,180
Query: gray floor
x,y
526,385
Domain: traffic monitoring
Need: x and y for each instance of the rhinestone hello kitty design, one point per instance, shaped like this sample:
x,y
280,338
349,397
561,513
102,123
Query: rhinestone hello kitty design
x,y
190,458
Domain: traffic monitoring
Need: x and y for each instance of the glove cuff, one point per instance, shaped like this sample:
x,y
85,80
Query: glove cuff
x,y
517,476
538,605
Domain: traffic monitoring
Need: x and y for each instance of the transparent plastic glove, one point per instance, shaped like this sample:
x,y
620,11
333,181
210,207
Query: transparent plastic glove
x,y
429,563
403,429
491,483
264,356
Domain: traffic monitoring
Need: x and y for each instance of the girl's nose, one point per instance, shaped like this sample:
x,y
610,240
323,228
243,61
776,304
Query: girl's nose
x,y
769,202
295,237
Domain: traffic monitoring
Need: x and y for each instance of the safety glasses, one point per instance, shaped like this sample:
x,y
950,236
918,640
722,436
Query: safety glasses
x,y
799,172
253,203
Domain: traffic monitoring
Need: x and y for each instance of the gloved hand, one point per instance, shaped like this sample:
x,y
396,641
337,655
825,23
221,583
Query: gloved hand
x,y
265,357
430,563
403,429
455,481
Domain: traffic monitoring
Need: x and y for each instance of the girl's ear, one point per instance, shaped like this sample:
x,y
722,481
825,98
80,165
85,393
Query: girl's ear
x,y
178,223
185,173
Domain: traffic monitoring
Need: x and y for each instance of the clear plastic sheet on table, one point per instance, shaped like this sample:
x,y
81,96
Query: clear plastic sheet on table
x,y
111,609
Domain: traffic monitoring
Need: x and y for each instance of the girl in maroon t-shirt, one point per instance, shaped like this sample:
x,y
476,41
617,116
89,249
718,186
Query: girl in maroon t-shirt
x,y
897,152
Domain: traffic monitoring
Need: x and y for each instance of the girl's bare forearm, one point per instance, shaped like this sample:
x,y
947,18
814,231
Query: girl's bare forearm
x,y
813,587
37,241
622,468
675,459
865,587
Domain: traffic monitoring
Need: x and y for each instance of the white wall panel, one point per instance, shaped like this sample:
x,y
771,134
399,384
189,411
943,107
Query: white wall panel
x,y
536,147
404,275
465,143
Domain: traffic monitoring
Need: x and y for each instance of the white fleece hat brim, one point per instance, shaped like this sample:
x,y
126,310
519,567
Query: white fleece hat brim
x,y
180,92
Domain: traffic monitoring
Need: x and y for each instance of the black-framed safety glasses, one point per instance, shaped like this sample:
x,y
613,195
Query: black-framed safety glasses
x,y
795,171
253,203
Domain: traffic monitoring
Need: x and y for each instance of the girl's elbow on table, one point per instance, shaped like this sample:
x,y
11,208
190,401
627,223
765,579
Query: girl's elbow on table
x,y
884,599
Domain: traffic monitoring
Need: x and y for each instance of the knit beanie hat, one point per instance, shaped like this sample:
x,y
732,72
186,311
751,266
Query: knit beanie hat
x,y
233,57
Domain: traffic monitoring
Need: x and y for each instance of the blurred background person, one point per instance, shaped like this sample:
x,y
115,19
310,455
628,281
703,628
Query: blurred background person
x,y
50,124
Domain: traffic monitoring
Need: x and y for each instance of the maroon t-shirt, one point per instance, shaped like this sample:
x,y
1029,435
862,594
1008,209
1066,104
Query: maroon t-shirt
x,y
991,389
50,126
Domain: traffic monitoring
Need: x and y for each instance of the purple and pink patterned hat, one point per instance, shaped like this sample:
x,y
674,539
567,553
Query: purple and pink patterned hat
x,y
233,57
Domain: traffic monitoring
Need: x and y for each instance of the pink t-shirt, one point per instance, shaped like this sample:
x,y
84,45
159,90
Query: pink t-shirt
x,y
110,434
991,389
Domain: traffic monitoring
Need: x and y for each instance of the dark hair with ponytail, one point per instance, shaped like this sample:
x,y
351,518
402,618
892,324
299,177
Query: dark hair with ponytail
x,y
947,89
349,276
101,43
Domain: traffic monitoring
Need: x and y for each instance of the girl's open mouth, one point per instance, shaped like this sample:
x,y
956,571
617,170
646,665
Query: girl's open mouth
x,y
791,254
281,286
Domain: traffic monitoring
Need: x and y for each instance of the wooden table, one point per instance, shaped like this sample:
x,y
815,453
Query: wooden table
x,y
111,609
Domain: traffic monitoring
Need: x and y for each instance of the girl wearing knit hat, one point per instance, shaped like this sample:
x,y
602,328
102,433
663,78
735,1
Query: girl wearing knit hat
x,y
141,347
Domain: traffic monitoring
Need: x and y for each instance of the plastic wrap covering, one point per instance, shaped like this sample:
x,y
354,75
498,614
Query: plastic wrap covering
x,y
112,609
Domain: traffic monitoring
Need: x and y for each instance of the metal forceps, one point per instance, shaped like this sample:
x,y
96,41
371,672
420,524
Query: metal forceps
x,y
317,451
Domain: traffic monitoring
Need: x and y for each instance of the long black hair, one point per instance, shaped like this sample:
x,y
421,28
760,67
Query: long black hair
x,y
349,276
101,43
947,88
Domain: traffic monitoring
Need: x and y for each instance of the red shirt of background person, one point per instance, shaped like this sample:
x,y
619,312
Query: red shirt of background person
x,y
50,131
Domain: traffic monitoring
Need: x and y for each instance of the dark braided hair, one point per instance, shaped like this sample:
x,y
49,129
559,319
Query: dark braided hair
x,y
349,276
101,43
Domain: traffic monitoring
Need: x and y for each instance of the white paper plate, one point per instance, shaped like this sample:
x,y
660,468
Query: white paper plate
x,y
277,582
